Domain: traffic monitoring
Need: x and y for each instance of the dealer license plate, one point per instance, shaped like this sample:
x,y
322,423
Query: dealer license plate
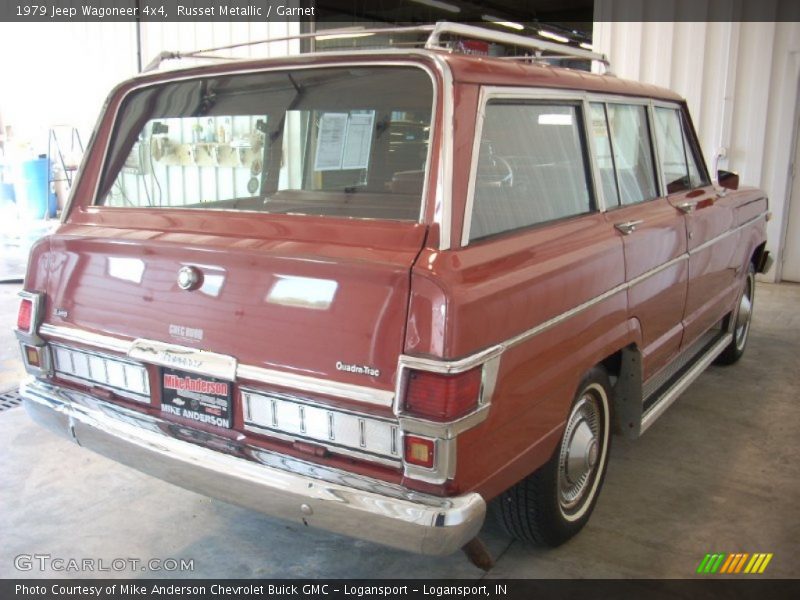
x,y
202,399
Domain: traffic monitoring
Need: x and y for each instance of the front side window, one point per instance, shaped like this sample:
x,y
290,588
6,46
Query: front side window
x,y
338,141
633,155
531,168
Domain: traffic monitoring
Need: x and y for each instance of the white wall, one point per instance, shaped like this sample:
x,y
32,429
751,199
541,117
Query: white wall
x,y
60,73
739,78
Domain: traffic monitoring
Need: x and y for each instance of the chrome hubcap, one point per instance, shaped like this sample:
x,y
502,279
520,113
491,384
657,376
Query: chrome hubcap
x,y
744,314
580,451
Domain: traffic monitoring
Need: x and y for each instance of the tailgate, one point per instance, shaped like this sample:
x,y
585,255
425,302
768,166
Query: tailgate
x,y
326,300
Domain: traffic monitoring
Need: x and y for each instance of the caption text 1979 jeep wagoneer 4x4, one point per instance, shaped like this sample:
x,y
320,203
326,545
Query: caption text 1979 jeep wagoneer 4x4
x,y
371,291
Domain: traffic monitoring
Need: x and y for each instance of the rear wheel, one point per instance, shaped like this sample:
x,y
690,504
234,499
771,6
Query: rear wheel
x,y
554,503
742,318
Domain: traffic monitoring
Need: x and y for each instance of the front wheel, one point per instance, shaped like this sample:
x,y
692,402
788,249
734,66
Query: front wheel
x,y
742,318
553,504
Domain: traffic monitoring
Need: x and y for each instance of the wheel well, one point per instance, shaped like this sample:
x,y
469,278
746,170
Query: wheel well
x,y
757,254
624,368
613,366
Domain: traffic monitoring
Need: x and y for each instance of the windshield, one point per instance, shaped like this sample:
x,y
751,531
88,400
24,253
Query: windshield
x,y
343,141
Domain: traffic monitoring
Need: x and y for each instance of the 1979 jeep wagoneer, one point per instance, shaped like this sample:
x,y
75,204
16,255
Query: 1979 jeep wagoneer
x,y
371,291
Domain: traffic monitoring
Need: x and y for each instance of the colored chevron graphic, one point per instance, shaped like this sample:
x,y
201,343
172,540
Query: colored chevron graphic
x,y
719,563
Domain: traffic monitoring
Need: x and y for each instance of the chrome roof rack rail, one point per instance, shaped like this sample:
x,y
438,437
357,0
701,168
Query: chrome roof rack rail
x,y
554,49
433,41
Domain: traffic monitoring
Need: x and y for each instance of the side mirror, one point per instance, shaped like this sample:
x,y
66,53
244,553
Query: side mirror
x,y
728,179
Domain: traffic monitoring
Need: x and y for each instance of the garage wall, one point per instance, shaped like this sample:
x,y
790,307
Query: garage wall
x,y
739,78
60,73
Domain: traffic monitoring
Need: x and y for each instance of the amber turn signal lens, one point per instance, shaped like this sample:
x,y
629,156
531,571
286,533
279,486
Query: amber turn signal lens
x,y
420,451
32,356
25,315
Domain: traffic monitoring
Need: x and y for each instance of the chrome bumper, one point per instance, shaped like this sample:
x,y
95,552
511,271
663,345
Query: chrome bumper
x,y
261,480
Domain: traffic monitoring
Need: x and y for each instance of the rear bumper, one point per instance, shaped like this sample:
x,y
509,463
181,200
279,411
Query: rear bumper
x,y
268,482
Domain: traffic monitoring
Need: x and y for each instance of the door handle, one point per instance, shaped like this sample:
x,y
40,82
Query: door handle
x,y
628,227
686,207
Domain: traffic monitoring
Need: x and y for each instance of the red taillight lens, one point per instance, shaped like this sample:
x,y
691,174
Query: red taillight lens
x,y
419,451
25,314
442,397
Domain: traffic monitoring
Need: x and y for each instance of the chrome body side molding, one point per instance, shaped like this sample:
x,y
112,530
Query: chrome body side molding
x,y
314,385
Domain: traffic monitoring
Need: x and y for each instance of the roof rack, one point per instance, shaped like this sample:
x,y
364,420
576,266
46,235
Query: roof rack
x,y
443,29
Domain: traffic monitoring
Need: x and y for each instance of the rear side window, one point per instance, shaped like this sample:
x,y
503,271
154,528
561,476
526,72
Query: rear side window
x,y
679,163
531,168
338,141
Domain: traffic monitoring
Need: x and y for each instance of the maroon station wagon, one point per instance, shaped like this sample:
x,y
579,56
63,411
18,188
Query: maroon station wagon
x,y
371,291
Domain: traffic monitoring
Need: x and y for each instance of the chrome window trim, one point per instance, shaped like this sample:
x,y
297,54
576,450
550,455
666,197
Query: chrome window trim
x,y
483,99
584,98
442,202
601,203
662,184
256,374
492,92
661,176
656,171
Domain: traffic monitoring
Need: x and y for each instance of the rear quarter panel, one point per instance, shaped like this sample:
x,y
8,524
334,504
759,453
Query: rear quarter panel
x,y
491,292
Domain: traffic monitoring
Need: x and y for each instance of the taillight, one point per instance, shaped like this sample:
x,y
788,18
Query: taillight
x,y
442,397
419,451
32,356
25,315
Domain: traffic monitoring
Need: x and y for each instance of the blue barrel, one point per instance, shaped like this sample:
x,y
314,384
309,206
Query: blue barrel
x,y
7,195
32,189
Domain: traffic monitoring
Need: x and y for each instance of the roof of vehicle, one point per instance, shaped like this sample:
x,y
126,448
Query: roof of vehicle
x,y
465,68
488,70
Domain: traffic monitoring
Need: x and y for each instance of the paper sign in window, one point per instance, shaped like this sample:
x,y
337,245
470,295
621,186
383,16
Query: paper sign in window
x,y
358,141
330,142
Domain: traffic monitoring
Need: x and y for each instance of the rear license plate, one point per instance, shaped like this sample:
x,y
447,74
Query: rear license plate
x,y
202,399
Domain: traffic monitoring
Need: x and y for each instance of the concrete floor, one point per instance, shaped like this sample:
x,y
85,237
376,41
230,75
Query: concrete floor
x,y
719,472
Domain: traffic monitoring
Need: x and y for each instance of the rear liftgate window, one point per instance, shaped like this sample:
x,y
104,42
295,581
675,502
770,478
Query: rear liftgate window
x,y
345,142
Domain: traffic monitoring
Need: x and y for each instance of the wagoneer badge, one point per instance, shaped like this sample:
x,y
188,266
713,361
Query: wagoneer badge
x,y
188,278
